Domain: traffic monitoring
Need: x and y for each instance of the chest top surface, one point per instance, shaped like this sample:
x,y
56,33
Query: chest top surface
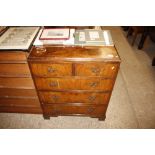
x,y
73,53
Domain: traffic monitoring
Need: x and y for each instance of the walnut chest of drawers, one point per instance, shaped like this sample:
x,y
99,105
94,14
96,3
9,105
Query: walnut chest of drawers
x,y
74,80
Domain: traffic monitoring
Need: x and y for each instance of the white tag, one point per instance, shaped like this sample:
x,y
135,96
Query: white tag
x,y
82,36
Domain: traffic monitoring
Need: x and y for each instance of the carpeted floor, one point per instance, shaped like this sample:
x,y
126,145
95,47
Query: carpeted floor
x,y
132,104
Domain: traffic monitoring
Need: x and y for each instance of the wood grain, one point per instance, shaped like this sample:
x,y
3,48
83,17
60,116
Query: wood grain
x,y
51,69
80,82
19,83
13,57
15,109
74,84
106,70
64,109
64,53
19,102
17,91
13,92
14,70
74,97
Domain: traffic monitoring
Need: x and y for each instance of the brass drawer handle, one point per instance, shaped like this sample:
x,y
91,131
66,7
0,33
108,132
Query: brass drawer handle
x,y
53,84
40,50
113,67
50,69
91,98
94,84
55,98
95,70
90,109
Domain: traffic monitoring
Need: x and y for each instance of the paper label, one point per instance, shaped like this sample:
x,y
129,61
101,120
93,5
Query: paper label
x,y
93,35
82,36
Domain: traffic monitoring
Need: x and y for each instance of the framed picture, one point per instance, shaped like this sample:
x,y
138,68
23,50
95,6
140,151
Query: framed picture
x,y
18,38
55,34
3,29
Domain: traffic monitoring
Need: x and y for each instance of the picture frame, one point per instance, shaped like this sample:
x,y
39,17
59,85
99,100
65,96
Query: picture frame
x,y
18,38
55,34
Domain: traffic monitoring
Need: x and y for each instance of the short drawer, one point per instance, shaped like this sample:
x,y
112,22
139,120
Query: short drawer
x,y
74,84
106,70
51,69
74,97
14,70
88,110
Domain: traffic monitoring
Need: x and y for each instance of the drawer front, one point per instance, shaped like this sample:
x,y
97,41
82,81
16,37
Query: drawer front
x,y
74,84
19,102
98,110
14,70
20,109
6,93
107,70
51,70
19,83
74,97
12,56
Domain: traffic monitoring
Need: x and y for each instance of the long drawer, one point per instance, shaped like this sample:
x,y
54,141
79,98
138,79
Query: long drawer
x,y
51,69
64,109
20,109
74,97
106,70
13,56
74,84
19,102
14,70
12,92
19,83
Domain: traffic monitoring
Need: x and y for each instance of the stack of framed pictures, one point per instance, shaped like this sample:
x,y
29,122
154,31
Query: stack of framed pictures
x,y
66,36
